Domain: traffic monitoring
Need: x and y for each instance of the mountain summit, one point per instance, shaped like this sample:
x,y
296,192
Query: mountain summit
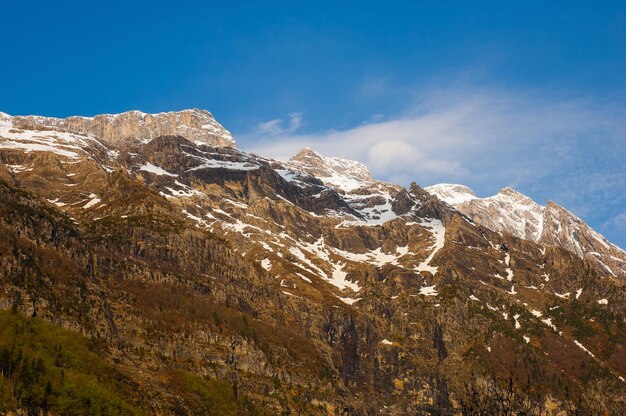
x,y
196,125
511,212
344,174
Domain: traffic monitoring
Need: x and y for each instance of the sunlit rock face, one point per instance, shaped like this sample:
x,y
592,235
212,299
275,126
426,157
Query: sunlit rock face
x,y
308,285
196,125
552,225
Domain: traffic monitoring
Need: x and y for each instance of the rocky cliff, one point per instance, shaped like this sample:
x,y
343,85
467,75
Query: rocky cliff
x,y
196,125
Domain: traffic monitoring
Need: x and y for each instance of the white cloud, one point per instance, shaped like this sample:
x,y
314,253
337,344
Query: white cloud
x,y
618,221
485,138
295,121
615,228
275,128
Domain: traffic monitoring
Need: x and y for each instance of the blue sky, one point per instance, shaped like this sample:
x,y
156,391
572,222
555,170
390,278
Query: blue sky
x,y
487,94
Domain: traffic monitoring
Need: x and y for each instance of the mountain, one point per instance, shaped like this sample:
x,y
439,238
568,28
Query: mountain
x,y
512,212
345,175
196,125
208,280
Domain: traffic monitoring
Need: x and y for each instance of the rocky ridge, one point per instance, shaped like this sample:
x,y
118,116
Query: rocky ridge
x,y
196,125
512,212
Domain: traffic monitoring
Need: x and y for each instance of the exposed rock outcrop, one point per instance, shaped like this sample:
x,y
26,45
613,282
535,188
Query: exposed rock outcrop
x,y
196,125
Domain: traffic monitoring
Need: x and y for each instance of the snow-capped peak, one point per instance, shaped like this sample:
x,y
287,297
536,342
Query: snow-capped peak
x,y
512,212
507,211
5,119
513,195
452,194
196,125
344,174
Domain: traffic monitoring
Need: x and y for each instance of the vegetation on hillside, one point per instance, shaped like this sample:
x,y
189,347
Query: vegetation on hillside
x,y
46,367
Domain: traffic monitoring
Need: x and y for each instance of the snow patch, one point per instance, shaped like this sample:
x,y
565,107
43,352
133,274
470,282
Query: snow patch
x,y
339,279
56,202
149,167
439,233
582,347
266,264
94,201
303,277
509,271
349,301
428,291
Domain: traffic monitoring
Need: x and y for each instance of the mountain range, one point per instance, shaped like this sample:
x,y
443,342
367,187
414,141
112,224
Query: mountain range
x,y
207,280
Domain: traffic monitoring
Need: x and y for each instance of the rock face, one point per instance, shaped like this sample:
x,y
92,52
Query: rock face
x,y
196,125
307,286
512,212
373,201
344,174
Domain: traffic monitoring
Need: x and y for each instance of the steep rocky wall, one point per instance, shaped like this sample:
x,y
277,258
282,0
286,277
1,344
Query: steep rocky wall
x,y
196,125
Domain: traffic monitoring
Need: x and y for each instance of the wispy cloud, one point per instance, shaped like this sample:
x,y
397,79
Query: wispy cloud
x,y
549,146
618,221
482,136
276,127
373,87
